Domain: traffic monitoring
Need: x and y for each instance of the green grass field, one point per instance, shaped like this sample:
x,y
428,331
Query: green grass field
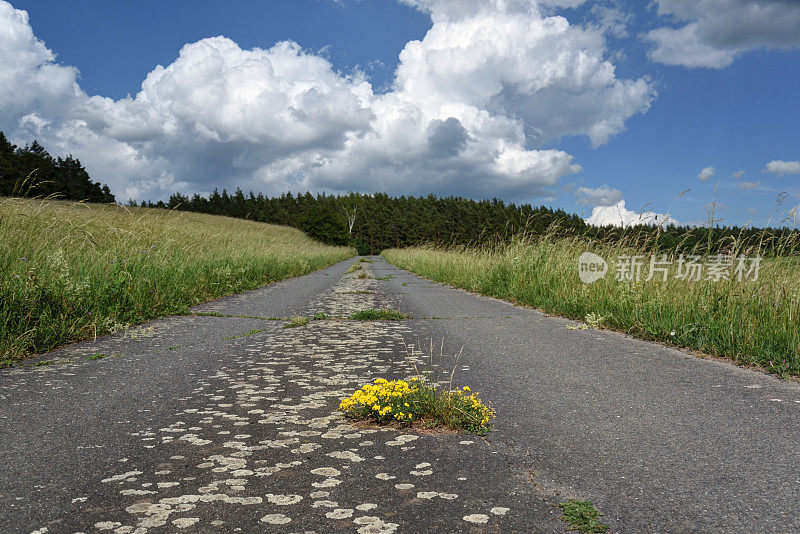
x,y
752,323
70,271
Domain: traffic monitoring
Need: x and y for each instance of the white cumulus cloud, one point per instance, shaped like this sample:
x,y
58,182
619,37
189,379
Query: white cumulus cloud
x,y
782,168
706,173
472,104
619,215
712,33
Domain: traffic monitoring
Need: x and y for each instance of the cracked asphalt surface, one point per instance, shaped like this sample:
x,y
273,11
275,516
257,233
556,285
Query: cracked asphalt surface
x,y
225,421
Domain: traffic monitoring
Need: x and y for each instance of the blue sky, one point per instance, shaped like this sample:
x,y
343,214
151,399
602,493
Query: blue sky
x,y
729,100
115,44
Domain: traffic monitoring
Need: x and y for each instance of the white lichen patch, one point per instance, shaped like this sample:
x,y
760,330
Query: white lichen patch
x,y
340,513
185,522
327,483
402,440
129,476
346,455
326,471
374,525
499,510
137,492
194,439
284,500
433,494
275,519
477,518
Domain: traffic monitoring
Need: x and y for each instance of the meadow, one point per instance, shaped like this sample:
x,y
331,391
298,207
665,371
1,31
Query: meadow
x,y
72,271
752,322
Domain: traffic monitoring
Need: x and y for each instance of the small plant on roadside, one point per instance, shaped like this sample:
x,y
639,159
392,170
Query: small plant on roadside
x,y
582,516
365,260
319,316
98,356
416,402
594,320
378,315
354,267
294,322
362,276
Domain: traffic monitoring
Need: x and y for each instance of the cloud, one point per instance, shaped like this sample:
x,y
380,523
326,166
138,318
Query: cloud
x,y
782,168
619,215
749,186
469,111
715,32
598,196
446,138
738,174
612,18
706,173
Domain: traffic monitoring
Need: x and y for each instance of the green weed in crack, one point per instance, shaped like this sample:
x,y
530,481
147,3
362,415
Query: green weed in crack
x,y
294,322
582,516
246,334
378,315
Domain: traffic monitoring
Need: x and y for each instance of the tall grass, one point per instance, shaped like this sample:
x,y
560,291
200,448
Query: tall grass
x,y
70,271
751,322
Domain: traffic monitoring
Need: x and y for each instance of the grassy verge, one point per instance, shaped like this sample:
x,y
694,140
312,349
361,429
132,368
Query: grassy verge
x,y
70,271
751,322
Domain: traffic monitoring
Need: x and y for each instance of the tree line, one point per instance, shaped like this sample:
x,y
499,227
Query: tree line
x,y
373,222
30,171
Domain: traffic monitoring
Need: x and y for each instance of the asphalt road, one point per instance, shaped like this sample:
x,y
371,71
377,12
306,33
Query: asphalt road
x,y
224,421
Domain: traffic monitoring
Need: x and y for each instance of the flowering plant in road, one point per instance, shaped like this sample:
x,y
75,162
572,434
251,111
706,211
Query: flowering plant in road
x,y
415,402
